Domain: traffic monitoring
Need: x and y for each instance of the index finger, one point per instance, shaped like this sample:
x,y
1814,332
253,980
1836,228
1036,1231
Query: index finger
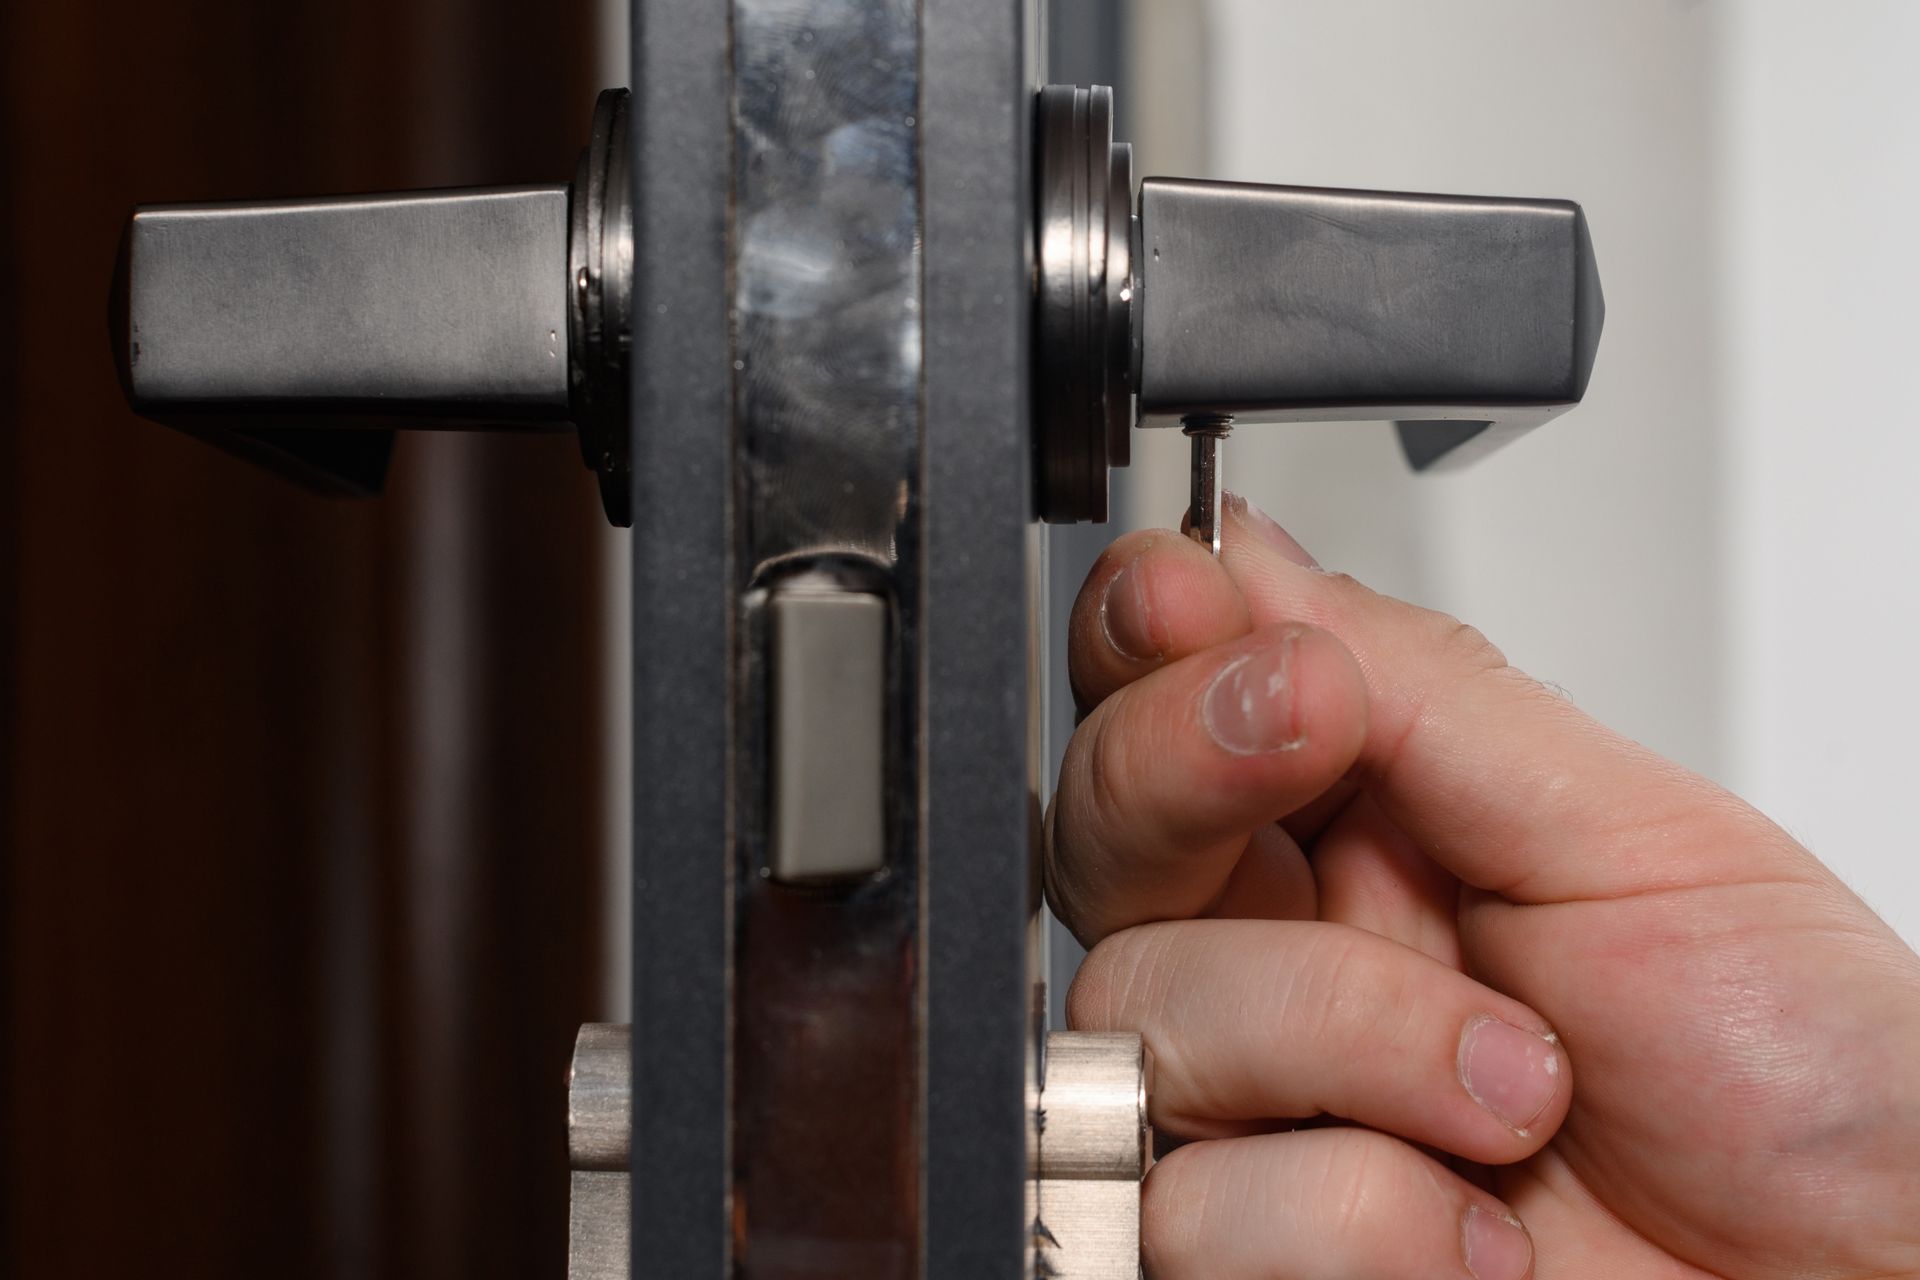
x,y
1503,782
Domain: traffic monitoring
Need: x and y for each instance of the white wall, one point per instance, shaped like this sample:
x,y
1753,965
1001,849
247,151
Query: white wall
x,y
1819,111
1714,552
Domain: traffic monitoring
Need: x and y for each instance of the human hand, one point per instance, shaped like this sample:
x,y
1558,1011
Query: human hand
x,y
1337,859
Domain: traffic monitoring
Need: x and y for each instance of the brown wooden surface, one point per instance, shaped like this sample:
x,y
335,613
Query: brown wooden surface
x,y
300,797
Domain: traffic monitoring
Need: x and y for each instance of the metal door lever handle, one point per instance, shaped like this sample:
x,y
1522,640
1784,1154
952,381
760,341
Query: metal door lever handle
x,y
300,333
272,327
1464,319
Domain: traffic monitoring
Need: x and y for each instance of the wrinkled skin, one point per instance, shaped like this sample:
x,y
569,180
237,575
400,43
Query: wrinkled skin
x,y
1441,977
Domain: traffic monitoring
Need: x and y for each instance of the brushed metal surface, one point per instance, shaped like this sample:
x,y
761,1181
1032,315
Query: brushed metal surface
x,y
1208,435
599,1139
1092,1109
1094,1225
1467,320
599,1217
600,1097
444,304
1089,1146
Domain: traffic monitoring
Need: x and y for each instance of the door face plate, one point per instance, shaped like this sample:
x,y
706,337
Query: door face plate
x,y
827,992
830,381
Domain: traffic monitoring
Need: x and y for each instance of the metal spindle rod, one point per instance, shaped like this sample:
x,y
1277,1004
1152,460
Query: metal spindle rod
x,y
1207,431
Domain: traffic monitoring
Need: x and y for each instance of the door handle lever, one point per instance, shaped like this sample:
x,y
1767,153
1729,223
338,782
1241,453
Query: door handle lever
x,y
301,333
1465,320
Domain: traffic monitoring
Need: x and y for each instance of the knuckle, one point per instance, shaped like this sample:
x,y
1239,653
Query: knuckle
x,y
1356,1001
1460,655
1057,878
1364,1180
1463,645
1345,1187
1078,814
1174,1202
1109,761
1090,996
1340,990
1093,774
1117,976
1466,650
1459,645
1345,589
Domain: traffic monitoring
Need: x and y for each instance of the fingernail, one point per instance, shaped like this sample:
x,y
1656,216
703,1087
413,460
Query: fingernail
x,y
1497,1248
1510,1072
1126,616
1268,530
1248,709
